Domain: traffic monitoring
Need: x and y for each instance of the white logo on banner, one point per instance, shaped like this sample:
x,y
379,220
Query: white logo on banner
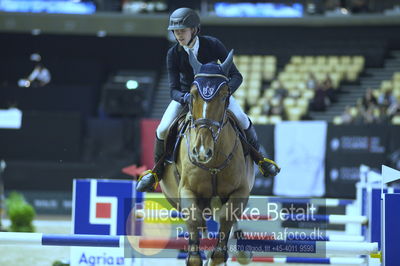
x,y
335,144
334,174
109,202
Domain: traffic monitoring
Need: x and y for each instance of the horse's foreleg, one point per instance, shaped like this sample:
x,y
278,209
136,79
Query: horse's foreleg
x,y
230,213
193,218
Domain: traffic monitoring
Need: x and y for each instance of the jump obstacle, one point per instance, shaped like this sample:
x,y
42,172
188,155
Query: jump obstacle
x,y
361,222
368,220
315,247
390,235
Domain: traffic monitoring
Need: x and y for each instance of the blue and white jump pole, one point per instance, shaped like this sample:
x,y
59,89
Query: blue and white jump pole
x,y
310,247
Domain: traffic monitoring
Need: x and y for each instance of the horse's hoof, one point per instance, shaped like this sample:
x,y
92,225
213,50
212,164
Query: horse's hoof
x,y
214,262
219,256
244,257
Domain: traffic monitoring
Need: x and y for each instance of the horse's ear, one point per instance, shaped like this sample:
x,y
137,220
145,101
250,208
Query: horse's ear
x,y
196,65
226,65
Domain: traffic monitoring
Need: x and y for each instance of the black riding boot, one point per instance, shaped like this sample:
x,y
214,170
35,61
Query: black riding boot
x,y
268,168
148,181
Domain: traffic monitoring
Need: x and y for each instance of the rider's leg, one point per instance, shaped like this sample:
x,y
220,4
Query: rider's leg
x,y
267,166
149,179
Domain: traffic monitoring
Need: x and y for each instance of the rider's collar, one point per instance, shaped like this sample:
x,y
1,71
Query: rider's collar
x,y
195,48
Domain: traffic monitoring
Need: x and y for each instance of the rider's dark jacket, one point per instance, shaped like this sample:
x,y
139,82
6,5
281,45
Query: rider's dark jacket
x,y
180,72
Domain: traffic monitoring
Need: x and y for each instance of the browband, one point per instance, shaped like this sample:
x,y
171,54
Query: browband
x,y
211,75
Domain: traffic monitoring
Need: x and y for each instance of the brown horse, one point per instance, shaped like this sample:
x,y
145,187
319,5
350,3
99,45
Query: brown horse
x,y
211,174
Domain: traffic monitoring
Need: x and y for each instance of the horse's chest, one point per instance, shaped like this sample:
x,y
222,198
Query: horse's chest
x,y
206,184
200,182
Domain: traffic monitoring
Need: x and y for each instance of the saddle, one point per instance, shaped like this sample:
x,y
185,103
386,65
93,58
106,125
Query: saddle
x,y
175,133
177,130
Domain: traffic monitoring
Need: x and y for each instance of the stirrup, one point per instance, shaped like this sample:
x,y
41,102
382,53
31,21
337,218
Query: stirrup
x,y
150,172
268,161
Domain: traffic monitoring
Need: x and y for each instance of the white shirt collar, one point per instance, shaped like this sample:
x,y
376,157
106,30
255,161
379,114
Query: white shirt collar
x,y
195,48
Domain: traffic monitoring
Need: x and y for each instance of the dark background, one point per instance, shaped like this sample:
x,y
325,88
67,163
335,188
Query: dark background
x,y
65,133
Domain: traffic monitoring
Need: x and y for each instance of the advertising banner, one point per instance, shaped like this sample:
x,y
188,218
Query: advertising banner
x,y
349,146
102,207
300,152
394,147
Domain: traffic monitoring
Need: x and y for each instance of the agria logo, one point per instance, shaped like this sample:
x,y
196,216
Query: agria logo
x,y
102,207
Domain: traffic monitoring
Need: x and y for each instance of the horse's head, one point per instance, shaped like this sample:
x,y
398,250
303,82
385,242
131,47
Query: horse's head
x,y
210,99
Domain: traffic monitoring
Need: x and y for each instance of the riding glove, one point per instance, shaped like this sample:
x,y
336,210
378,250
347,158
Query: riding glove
x,y
187,97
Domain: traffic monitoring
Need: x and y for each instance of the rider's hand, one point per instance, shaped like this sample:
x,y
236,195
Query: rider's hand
x,y
187,97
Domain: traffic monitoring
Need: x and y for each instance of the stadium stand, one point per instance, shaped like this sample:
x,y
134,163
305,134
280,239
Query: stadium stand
x,y
378,105
265,90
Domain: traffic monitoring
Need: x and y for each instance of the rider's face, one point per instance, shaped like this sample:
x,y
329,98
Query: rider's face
x,y
183,36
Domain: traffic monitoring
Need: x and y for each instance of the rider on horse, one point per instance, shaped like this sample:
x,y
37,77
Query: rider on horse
x,y
185,24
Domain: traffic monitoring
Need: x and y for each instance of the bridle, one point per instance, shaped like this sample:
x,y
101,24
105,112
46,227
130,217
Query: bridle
x,y
215,127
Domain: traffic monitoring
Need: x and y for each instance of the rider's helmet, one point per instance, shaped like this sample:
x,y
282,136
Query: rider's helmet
x,y
184,18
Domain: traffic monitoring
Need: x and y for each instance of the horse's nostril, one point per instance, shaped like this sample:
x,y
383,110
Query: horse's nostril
x,y
209,153
194,151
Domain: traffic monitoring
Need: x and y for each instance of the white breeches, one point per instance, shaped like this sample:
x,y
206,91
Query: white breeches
x,y
174,108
